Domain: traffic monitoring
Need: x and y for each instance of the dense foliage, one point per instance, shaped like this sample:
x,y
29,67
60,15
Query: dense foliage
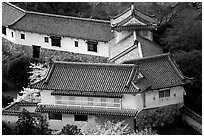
x,y
28,125
182,36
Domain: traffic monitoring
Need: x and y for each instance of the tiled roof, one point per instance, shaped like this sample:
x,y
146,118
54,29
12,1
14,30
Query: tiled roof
x,y
140,15
87,77
10,13
14,108
161,71
85,110
134,27
87,29
87,94
149,48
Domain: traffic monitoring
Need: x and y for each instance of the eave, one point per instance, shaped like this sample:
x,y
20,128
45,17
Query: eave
x,y
85,110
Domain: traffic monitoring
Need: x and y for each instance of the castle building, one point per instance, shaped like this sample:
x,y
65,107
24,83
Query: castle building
x,y
77,93
126,36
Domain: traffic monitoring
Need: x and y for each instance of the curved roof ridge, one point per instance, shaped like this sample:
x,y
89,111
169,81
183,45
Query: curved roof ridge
x,y
93,64
149,57
67,17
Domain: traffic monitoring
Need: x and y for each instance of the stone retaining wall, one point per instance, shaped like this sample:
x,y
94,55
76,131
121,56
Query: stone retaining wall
x,y
160,116
56,55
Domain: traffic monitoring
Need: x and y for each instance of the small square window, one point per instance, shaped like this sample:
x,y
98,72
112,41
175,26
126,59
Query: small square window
x,y
46,39
22,36
92,46
164,93
80,118
161,94
76,43
167,93
55,41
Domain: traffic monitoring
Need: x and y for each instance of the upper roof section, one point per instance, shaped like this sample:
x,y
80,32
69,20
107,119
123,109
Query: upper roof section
x,y
11,13
132,16
74,27
156,73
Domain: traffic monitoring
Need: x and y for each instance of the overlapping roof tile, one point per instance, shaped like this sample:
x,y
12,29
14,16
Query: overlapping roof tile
x,y
85,110
10,13
87,29
159,72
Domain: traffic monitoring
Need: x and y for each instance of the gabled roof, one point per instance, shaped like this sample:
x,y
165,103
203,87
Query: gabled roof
x,y
158,72
87,77
11,13
74,27
130,13
149,48
161,71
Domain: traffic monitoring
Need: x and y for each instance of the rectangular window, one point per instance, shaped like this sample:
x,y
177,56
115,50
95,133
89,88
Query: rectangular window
x,y
55,41
11,34
55,116
164,93
36,51
3,30
46,39
76,43
92,46
22,36
80,118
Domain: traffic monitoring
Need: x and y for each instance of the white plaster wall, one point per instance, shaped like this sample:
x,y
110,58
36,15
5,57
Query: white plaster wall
x,y
150,102
10,120
121,35
8,35
47,98
149,35
67,44
68,119
130,101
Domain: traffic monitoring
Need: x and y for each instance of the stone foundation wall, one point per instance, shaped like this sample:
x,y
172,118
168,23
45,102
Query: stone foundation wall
x,y
16,49
158,116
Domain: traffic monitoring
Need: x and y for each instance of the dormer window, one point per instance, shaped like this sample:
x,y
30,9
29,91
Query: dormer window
x,y
92,46
55,41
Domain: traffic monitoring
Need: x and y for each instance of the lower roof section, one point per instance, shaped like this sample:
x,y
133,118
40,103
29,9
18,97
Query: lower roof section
x,y
84,110
87,94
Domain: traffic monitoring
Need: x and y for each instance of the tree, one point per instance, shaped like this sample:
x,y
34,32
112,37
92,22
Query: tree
x,y
112,128
41,126
25,123
70,130
28,125
106,128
